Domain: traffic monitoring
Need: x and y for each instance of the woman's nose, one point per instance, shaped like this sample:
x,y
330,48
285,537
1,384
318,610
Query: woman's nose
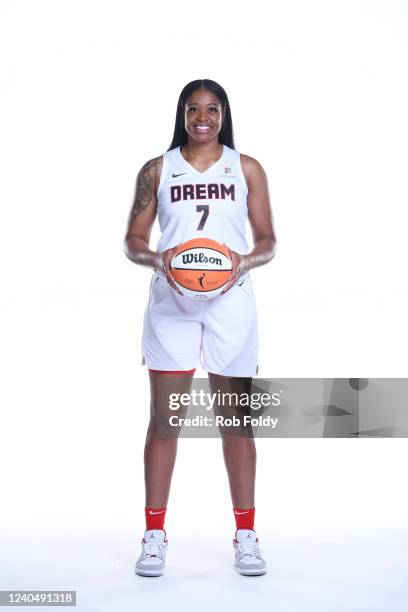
x,y
202,115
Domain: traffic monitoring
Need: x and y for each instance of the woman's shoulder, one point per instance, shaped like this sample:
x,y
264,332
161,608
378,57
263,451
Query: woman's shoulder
x,y
153,163
152,169
251,167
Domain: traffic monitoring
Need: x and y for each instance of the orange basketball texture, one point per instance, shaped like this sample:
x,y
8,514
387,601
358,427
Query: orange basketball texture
x,y
201,265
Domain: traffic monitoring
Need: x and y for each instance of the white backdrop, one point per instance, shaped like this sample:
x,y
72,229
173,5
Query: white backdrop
x,y
318,94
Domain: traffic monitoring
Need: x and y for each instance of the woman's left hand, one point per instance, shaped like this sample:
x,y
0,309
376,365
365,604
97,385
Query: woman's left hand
x,y
239,267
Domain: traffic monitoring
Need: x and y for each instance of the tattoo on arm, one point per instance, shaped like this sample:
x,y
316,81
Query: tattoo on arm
x,y
145,185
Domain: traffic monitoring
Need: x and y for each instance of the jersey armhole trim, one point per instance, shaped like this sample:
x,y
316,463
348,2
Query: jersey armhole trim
x,y
241,173
164,172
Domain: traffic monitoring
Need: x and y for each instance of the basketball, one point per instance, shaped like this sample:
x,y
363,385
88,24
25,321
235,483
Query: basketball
x,y
201,268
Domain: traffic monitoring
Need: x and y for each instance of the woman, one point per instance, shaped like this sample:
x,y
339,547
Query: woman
x,y
177,329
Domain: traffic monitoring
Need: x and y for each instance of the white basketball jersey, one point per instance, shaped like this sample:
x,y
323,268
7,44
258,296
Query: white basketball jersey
x,y
210,204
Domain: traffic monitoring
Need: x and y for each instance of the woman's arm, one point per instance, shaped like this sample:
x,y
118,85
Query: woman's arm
x,y
260,219
141,219
143,214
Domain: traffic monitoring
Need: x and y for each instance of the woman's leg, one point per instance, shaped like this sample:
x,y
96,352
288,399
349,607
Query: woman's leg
x,y
238,443
161,440
240,460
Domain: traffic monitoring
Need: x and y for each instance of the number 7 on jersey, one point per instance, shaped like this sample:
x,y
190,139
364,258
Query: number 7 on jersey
x,y
205,209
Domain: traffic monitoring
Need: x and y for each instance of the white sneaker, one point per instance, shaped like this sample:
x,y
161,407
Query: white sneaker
x,y
154,547
248,558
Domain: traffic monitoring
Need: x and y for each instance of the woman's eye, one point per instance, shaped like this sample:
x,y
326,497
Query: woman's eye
x,y
194,108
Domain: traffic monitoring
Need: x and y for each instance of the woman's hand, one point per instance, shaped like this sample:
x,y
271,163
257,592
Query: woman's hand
x,y
163,263
240,266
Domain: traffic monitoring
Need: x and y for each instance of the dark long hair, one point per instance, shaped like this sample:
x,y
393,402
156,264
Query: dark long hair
x,y
225,136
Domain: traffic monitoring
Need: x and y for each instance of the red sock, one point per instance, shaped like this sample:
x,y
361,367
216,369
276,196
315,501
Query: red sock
x,y
155,518
244,518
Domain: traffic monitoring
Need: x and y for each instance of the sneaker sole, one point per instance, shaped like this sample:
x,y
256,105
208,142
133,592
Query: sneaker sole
x,y
251,572
152,573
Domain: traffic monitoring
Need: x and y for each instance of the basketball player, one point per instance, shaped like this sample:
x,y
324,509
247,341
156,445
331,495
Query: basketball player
x,y
184,189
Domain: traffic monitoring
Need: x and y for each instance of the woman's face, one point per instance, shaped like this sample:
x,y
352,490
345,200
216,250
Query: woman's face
x,y
203,115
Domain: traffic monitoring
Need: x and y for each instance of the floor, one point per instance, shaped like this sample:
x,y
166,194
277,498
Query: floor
x,y
353,572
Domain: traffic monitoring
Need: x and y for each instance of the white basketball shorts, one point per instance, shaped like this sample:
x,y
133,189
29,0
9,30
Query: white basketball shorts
x,y
221,334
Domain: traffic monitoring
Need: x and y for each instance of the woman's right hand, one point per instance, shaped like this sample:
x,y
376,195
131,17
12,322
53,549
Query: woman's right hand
x,y
163,264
